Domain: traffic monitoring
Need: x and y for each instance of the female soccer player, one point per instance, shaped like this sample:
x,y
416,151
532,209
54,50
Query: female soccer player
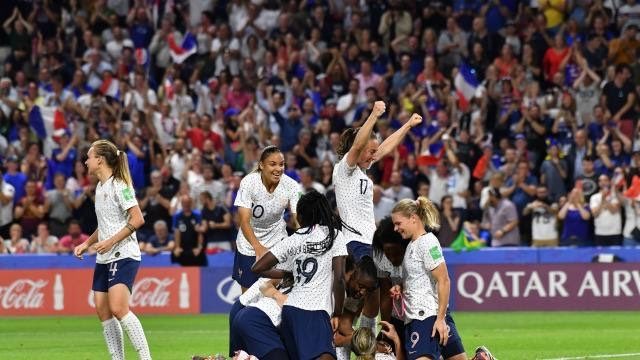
x,y
366,347
429,328
254,328
357,150
316,252
388,252
262,198
115,241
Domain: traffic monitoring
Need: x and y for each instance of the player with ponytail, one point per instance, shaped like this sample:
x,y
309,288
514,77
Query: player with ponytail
x,y
115,241
429,328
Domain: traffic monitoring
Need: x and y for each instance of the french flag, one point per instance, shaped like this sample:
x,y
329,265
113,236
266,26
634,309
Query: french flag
x,y
180,53
466,84
169,92
142,57
110,87
47,121
430,160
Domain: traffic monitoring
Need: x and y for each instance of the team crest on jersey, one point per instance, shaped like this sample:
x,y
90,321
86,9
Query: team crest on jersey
x,y
435,253
127,194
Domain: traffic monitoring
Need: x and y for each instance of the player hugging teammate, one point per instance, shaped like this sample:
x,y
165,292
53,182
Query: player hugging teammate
x,y
337,276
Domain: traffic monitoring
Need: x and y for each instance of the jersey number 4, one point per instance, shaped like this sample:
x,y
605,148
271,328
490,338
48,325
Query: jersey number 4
x,y
306,269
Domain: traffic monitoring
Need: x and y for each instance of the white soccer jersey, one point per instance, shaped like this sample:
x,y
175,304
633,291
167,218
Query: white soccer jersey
x,y
394,273
354,197
266,209
254,297
420,292
113,199
313,274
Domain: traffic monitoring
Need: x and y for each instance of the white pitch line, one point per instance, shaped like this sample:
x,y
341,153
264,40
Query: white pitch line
x,y
604,356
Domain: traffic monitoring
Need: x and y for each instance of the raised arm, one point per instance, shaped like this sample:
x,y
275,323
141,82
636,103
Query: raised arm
x,y
392,142
364,133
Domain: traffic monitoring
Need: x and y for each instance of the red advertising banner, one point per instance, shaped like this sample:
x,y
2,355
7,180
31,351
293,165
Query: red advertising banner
x,y
547,287
68,292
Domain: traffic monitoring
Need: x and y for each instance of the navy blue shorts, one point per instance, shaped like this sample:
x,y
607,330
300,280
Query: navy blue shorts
x,y
306,334
253,332
122,271
242,270
237,306
358,250
454,344
418,340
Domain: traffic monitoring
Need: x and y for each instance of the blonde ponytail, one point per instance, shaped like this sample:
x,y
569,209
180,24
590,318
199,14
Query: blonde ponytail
x,y
363,344
115,159
423,208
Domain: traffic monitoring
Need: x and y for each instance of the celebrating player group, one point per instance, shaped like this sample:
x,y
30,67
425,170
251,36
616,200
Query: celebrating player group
x,y
303,293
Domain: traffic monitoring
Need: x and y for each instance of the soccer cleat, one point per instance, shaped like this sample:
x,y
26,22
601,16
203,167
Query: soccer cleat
x,y
482,353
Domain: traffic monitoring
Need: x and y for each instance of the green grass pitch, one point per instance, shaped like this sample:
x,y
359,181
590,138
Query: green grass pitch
x,y
530,335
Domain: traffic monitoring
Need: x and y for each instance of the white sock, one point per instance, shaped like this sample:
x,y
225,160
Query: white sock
x,y
368,322
132,326
343,353
112,332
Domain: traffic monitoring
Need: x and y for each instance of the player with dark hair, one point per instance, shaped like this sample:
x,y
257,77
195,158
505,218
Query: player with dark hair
x,y
317,253
358,149
388,253
262,199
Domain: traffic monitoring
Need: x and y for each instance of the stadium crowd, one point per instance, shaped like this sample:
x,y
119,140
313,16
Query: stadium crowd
x,y
543,153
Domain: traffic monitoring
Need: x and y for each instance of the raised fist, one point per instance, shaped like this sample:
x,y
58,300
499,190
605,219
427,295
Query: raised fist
x,y
379,108
415,120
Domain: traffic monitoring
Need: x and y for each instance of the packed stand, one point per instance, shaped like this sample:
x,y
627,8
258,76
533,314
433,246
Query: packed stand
x,y
531,134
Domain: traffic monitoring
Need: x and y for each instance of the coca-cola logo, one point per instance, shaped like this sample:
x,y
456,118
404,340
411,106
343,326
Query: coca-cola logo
x,y
151,292
23,294
147,292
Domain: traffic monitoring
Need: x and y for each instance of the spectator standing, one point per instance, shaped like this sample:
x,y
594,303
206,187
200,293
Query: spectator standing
x,y
450,222
543,210
396,190
575,215
30,210
382,205
308,182
623,49
502,220
554,172
588,180
155,203
14,177
189,249
216,225
451,45
607,217
59,206
619,97
7,193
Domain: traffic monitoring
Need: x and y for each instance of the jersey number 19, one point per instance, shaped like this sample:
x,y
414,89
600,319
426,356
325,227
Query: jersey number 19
x,y
306,269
